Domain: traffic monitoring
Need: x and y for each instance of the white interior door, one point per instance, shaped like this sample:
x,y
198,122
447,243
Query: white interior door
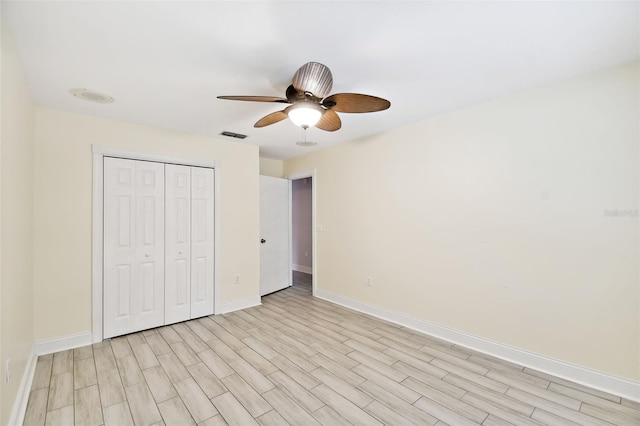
x,y
133,246
178,243
275,271
202,236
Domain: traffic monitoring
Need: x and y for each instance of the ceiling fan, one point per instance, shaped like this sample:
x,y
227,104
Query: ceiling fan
x,y
309,104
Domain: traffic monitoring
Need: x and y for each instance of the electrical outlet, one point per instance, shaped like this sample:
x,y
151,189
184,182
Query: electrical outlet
x,y
369,281
7,371
237,280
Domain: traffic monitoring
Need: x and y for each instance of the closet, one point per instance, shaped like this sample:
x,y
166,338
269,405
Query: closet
x,y
158,244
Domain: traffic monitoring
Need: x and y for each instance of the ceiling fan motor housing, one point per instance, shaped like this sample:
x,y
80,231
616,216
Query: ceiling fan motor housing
x,y
314,78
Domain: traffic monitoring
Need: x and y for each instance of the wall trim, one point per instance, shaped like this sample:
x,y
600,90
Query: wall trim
x,y
22,398
240,304
585,376
62,343
302,268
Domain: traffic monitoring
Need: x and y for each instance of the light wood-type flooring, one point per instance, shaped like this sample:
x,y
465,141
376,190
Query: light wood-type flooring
x,y
299,360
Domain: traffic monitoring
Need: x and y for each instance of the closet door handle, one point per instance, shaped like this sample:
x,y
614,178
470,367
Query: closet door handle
x,y
180,252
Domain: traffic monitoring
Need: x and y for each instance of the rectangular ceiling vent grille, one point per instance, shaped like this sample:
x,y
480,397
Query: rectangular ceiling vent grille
x,y
233,135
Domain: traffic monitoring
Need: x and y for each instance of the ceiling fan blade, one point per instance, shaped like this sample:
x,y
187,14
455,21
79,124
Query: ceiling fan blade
x,y
329,121
355,102
272,118
255,99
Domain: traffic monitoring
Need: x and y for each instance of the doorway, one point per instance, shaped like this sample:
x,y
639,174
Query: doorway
x,y
302,235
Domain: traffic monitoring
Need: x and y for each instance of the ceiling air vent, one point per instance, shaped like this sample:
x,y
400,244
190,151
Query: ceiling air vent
x,y
233,135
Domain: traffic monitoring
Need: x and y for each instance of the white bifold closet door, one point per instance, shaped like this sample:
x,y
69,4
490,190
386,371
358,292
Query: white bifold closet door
x,y
158,244
189,242
133,245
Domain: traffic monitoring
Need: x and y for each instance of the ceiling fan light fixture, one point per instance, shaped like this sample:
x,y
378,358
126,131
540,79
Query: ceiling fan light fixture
x,y
305,114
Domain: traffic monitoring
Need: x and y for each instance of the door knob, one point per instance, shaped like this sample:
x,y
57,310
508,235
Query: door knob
x,y
146,255
180,252
262,241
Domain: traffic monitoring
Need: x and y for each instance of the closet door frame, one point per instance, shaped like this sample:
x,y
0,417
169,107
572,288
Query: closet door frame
x,y
99,152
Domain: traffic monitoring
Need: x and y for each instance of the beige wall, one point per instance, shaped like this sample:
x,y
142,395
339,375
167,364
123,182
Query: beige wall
x,y
491,220
63,189
271,167
16,226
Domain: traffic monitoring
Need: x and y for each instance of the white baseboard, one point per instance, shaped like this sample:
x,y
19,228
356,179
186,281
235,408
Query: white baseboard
x,y
592,378
22,398
63,343
240,304
302,268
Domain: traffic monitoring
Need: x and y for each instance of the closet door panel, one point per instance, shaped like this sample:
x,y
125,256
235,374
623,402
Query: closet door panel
x,y
150,242
202,238
178,243
133,246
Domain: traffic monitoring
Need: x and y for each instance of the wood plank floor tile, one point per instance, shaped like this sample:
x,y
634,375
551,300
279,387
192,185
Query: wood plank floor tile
x,y
258,346
42,375
258,361
157,344
120,347
88,410
552,407
159,383
172,366
399,405
214,421
232,411
496,398
185,354
246,395
252,376
296,391
330,417
174,412
84,373
208,382
196,401
344,407
62,362
136,339
378,366
451,403
111,388
615,417
129,370
145,356
503,413
144,410
60,417
117,415
387,383
443,413
345,389
302,377
272,418
104,358
215,363
60,391
386,415
288,409
37,406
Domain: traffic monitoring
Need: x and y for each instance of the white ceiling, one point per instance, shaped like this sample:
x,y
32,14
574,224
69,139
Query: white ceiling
x,y
165,62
